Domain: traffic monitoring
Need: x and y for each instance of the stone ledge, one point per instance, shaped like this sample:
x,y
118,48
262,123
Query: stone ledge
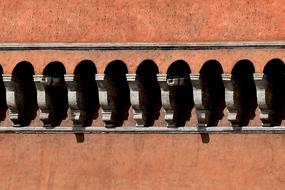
x,y
146,130
142,46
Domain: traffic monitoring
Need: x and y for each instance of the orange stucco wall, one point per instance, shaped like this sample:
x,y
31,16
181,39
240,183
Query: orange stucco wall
x,y
163,59
141,20
140,161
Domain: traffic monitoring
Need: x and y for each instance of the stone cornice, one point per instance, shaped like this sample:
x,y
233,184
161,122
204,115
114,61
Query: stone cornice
x,y
142,46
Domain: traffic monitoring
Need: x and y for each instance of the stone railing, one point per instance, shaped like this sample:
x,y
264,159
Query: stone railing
x,y
100,87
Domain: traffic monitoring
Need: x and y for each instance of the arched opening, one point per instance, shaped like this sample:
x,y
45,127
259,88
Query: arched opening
x,y
211,74
147,72
182,93
85,71
245,90
25,92
116,71
274,70
56,90
3,103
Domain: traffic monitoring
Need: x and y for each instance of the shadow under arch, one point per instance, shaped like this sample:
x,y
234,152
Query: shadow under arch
x,y
211,76
181,95
147,71
116,71
85,71
274,70
56,92
25,92
3,103
245,90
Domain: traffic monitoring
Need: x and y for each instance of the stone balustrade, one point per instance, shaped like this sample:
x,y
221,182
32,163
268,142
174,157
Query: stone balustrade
x,y
145,94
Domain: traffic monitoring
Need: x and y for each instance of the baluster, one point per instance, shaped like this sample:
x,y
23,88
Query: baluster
x,y
232,99
107,94
76,100
264,98
12,96
201,99
49,114
175,115
138,99
166,99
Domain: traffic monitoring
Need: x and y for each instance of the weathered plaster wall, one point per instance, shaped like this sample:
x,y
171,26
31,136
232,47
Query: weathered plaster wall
x,y
243,162
141,20
132,58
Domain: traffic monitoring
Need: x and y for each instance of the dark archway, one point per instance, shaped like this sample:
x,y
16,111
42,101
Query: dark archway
x,y
3,103
25,92
245,90
182,95
211,74
85,71
56,91
274,70
116,71
147,72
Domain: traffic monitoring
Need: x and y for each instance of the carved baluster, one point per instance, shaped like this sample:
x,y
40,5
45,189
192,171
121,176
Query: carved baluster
x,y
264,98
107,93
166,99
75,100
43,99
175,115
232,99
49,115
138,99
3,102
201,99
12,96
